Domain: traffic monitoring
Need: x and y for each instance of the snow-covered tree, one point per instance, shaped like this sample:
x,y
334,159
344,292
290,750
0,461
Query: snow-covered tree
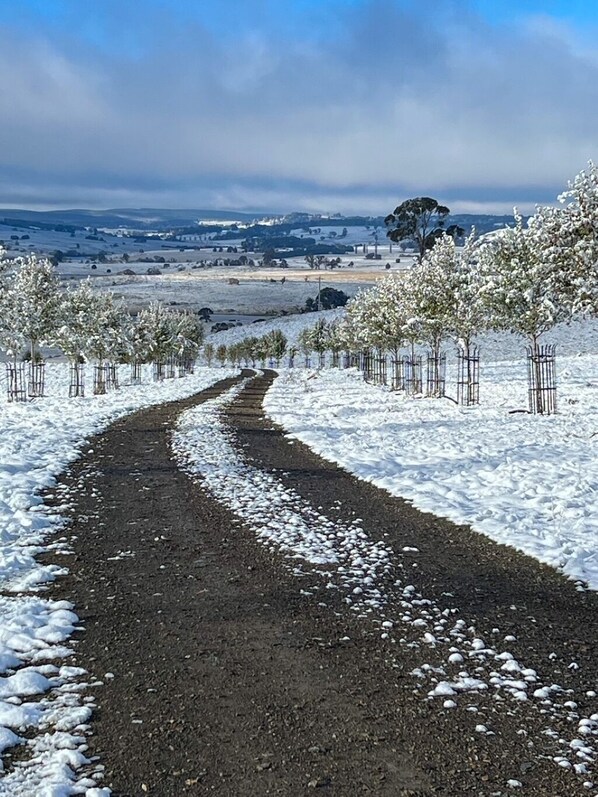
x,y
518,286
277,345
521,290
208,353
159,325
76,317
569,242
221,354
378,315
108,332
30,305
188,335
467,316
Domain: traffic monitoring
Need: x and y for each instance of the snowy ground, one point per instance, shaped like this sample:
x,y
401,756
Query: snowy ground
x,y
42,702
530,482
482,675
256,294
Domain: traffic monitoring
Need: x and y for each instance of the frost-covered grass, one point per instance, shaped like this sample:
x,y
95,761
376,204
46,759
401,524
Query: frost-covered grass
x,y
39,694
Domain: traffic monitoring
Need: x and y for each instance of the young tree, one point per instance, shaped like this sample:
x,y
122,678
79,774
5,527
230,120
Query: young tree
x,y
108,339
277,345
569,239
157,324
33,301
208,353
221,354
188,335
318,339
420,220
75,319
520,288
464,313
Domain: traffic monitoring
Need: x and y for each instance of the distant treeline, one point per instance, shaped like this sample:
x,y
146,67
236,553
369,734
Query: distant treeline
x,y
39,225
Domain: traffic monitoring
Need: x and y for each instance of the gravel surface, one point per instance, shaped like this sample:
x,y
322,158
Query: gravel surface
x,y
225,678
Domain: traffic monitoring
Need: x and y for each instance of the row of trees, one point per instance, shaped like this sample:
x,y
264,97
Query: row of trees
x,y
84,325
524,279
269,348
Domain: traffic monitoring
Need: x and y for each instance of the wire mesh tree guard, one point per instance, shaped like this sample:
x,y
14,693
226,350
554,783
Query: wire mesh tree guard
x,y
158,370
170,368
36,378
76,379
335,359
541,374
435,374
135,372
101,379
16,381
413,374
468,376
397,380
112,376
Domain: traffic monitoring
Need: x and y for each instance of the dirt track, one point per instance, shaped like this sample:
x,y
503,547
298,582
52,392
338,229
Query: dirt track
x,y
228,680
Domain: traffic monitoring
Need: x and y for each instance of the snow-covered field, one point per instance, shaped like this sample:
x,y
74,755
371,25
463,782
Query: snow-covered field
x,y
42,702
530,482
254,295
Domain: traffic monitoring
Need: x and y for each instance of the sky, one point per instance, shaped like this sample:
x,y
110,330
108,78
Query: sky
x,y
345,106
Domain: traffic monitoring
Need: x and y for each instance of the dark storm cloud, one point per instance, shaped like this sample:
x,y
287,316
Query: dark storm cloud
x,y
394,102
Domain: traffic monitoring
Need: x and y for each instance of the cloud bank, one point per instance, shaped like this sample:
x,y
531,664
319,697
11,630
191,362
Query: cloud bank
x,y
384,103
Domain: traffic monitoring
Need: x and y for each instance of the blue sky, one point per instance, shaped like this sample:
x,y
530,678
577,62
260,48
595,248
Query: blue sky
x,y
349,105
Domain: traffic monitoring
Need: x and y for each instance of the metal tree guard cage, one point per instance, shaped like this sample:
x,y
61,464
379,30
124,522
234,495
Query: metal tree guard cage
x,y
397,381
36,379
158,370
413,370
541,374
16,381
101,379
77,380
135,372
468,376
436,375
376,369
366,364
112,376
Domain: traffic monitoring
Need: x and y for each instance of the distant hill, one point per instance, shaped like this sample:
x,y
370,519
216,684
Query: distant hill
x,y
161,219
129,218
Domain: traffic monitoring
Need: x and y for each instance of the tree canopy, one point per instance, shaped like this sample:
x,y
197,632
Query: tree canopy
x,y
422,221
